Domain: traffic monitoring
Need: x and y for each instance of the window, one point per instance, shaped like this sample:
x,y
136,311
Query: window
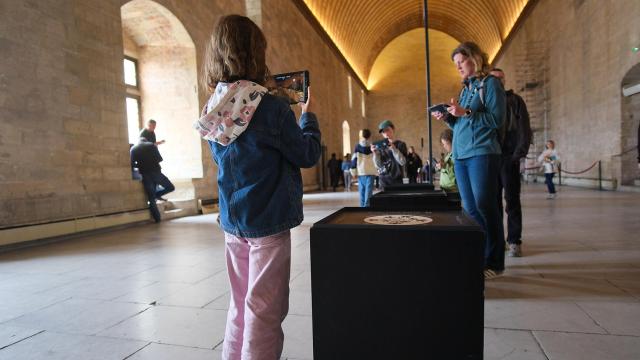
x,y
131,72
346,138
133,119
350,92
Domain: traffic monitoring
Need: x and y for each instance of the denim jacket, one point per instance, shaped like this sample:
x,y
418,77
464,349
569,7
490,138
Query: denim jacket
x,y
259,178
477,133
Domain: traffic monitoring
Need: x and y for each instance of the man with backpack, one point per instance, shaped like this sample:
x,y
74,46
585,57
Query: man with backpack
x,y
515,140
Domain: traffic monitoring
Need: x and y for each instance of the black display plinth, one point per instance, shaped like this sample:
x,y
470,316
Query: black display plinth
x,y
410,187
397,292
419,200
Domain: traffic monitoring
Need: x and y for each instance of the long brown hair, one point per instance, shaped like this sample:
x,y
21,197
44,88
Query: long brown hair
x,y
235,51
478,57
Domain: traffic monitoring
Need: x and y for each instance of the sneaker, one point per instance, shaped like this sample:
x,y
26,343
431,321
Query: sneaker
x,y
515,250
490,274
550,196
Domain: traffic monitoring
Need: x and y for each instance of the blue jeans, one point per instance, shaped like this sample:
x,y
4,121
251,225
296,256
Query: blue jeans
x,y
477,179
548,179
150,181
365,187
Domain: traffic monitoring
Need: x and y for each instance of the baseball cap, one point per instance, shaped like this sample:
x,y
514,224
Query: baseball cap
x,y
385,124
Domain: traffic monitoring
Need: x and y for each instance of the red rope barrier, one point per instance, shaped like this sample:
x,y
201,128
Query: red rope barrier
x,y
565,171
580,172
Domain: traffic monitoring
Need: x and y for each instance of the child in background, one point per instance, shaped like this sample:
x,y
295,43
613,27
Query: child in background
x,y
346,171
363,161
259,149
447,174
549,158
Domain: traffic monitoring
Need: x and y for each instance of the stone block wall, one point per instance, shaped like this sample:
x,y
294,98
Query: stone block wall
x,y
63,137
294,45
575,55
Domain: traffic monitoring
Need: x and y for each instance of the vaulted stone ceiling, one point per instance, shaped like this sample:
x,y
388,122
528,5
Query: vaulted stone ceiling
x,y
151,24
362,28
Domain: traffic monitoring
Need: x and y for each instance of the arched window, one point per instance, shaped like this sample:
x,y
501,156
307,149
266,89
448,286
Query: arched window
x,y
161,81
350,90
346,138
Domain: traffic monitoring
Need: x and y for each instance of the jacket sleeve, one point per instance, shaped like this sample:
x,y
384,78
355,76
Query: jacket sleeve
x,y
524,130
399,153
300,144
377,160
492,116
354,158
134,159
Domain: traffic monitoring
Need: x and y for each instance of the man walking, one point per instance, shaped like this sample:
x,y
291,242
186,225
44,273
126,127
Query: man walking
x,y
515,146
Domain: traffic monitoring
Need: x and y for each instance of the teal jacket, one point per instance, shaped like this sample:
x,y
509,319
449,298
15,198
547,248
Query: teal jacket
x,y
477,134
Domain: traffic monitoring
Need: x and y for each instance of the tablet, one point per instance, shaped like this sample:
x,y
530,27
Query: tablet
x,y
292,86
439,107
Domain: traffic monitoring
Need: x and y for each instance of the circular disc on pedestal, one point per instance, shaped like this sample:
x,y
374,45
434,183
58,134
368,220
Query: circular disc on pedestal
x,y
398,219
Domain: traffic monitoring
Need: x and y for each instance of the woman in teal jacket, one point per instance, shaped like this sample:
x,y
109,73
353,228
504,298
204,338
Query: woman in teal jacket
x,y
476,119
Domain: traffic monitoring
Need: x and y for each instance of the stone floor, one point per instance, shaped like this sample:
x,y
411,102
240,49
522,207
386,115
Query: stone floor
x,y
160,291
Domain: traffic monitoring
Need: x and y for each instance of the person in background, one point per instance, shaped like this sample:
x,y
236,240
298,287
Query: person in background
x,y
476,119
146,158
446,166
414,164
335,171
346,172
515,146
259,148
149,133
389,156
549,159
363,162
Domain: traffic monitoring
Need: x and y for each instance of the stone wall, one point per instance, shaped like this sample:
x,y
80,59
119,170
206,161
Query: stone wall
x,y
63,137
294,45
568,59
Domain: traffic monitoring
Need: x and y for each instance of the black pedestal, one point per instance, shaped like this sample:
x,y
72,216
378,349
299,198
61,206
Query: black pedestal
x,y
410,187
397,292
415,199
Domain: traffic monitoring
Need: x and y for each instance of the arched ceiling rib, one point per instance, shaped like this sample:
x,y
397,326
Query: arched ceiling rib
x,y
362,28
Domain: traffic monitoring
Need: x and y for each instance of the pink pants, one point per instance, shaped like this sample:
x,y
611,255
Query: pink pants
x,y
259,271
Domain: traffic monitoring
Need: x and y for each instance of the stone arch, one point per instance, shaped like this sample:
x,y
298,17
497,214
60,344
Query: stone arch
x,y
167,72
398,86
629,128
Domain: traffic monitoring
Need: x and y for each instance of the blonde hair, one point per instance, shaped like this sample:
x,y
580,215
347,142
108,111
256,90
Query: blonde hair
x,y
235,51
478,57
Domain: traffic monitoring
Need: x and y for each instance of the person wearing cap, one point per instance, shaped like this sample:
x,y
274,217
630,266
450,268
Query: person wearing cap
x,y
389,155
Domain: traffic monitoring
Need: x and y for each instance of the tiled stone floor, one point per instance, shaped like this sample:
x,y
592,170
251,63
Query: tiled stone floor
x,y
160,291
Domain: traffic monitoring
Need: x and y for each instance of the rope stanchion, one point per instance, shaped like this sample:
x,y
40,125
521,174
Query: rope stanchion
x,y
580,172
561,170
